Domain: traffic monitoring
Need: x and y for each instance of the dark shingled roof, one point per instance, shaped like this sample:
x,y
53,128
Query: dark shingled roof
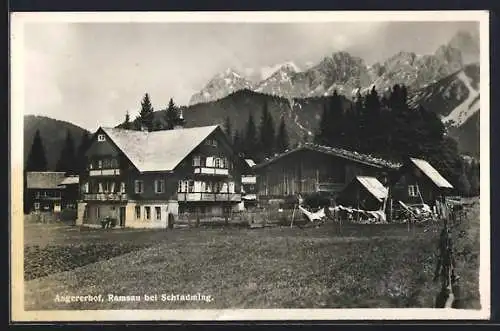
x,y
339,152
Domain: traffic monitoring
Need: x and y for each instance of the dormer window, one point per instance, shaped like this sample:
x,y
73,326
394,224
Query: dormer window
x,y
101,137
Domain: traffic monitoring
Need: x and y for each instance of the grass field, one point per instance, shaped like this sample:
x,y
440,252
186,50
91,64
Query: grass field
x,y
364,266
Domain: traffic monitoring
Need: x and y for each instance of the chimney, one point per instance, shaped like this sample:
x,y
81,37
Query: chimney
x,y
180,121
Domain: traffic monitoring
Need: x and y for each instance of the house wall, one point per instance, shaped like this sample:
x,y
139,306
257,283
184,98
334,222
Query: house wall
x,y
413,176
46,204
302,171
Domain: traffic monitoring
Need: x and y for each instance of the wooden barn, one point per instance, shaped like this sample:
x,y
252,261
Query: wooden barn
x,y
313,168
418,182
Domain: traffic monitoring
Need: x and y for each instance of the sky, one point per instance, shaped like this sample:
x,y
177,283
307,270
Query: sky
x,y
91,74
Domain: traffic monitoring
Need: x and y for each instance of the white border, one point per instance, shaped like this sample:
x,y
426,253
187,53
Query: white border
x,y
17,107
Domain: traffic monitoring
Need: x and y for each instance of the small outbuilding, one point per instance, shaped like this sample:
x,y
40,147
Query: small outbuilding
x,y
365,193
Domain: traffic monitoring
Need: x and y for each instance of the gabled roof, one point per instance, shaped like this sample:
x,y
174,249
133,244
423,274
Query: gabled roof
x,y
431,173
44,179
158,150
373,186
339,152
70,180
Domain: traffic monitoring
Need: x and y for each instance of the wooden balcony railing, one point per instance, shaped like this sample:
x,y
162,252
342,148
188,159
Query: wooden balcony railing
x,y
203,196
104,172
211,171
105,197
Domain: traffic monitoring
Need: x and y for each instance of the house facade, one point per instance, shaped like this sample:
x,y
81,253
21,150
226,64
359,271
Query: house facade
x,y
70,192
313,168
43,192
140,178
419,182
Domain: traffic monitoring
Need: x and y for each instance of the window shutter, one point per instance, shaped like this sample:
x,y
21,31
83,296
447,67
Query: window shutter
x,y
197,186
231,187
122,187
100,188
112,190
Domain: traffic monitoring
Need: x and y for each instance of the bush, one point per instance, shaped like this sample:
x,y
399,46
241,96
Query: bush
x,y
316,200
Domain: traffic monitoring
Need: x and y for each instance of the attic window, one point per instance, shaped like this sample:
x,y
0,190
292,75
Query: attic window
x,y
101,137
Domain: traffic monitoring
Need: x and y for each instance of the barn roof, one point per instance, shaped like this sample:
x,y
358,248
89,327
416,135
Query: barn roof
x,y
158,150
373,186
431,173
339,152
250,162
44,179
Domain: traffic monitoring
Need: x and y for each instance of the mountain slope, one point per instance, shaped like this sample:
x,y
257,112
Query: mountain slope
x,y
301,115
53,134
347,74
220,86
456,99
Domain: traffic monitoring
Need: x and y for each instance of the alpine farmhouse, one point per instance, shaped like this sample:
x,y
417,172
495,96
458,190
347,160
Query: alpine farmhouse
x,y
313,168
140,177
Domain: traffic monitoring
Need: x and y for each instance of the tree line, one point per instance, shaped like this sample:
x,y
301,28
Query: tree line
x,y
146,120
259,141
387,127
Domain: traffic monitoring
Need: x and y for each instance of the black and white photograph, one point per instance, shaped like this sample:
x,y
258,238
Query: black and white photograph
x,y
250,166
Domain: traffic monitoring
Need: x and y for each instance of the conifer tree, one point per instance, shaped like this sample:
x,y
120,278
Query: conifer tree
x,y
249,147
227,128
126,124
146,114
171,115
67,159
267,132
236,139
80,152
36,157
282,137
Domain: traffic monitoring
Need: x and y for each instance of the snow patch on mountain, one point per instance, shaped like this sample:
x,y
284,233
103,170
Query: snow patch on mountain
x,y
467,108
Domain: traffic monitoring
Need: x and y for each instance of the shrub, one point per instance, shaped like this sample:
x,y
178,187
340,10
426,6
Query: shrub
x,y
316,200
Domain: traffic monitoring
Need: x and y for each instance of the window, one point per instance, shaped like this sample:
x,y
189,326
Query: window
x,y
36,205
101,137
91,166
413,190
159,186
147,211
37,195
99,164
85,187
158,213
139,186
196,161
217,162
100,188
122,187
114,163
183,186
137,212
191,186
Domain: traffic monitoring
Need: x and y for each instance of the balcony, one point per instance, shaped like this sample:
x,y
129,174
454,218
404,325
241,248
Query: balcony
x,y
211,171
104,172
105,197
221,197
248,179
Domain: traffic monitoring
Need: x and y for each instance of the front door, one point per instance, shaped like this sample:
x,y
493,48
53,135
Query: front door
x,y
122,216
